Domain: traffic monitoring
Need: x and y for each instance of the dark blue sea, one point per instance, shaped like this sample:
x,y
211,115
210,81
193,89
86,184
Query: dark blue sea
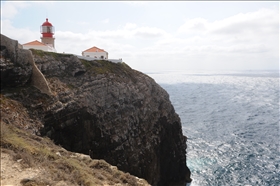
x,y
232,123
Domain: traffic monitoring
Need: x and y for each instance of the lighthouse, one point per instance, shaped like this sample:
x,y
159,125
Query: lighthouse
x,y
47,31
47,39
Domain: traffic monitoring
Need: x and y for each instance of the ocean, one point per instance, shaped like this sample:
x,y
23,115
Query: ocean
x,y
232,123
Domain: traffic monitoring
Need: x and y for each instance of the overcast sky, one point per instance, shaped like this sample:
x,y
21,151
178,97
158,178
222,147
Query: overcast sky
x,y
159,35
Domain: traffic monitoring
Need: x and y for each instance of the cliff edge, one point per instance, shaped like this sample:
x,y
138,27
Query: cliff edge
x,y
106,110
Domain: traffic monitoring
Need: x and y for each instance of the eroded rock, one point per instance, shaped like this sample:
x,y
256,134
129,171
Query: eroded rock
x,y
15,64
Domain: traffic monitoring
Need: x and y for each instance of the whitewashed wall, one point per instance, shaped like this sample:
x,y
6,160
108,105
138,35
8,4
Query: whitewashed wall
x,y
44,48
91,59
97,55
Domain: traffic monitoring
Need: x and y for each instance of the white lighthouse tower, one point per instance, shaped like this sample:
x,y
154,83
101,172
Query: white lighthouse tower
x,y
47,31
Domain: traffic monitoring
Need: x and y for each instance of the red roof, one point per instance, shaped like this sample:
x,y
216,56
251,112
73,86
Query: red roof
x,y
47,23
35,43
94,49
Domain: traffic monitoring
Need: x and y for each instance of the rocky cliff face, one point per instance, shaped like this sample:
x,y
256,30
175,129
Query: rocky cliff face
x,y
103,109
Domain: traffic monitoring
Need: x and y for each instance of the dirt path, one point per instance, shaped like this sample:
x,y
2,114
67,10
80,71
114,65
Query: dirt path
x,y
12,172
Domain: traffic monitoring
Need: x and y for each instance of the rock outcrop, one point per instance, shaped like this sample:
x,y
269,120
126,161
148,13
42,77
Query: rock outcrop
x,y
16,68
103,109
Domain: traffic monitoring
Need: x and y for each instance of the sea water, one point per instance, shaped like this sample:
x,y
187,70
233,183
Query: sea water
x,y
232,124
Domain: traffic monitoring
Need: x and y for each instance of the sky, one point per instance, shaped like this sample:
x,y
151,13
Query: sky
x,y
156,36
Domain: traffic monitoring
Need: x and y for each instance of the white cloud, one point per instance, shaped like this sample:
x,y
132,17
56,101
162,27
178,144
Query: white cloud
x,y
129,31
149,32
71,36
243,41
23,35
251,32
238,41
247,48
10,9
130,26
264,20
196,25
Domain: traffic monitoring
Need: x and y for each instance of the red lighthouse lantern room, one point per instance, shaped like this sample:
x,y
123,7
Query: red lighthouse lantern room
x,y
47,31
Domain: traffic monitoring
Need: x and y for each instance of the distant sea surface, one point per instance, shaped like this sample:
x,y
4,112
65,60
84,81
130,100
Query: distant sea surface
x,y
232,124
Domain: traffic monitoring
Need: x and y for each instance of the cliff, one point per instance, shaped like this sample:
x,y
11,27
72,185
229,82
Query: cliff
x,y
31,160
106,110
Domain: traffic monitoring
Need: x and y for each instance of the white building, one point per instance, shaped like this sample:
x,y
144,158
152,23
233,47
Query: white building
x,y
47,39
96,53
39,46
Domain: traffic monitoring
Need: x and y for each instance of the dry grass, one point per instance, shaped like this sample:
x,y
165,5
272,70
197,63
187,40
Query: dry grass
x,y
58,164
